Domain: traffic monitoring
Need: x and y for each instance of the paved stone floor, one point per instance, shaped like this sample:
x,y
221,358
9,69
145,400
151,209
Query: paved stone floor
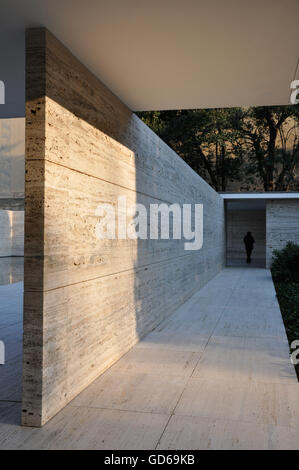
x,y
241,262
214,375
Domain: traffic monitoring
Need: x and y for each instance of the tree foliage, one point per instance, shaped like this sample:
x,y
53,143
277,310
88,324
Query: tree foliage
x,y
246,145
285,263
272,140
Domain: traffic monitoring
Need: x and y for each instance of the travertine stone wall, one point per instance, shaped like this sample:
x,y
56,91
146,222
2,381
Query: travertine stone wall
x,y
88,301
282,224
238,223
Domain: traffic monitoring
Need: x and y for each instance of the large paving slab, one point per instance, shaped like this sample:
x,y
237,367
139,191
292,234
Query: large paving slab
x,y
86,428
214,375
246,359
194,433
142,392
251,402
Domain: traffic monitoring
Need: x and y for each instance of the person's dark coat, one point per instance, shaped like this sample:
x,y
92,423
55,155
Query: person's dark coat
x,y
249,241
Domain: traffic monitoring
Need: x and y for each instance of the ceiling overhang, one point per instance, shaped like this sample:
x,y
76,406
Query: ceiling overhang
x,y
254,201
175,54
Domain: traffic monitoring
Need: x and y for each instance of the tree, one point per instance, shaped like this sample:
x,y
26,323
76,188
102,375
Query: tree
x,y
209,140
271,140
255,146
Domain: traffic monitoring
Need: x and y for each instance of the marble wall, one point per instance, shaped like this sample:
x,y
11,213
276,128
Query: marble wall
x,y
88,301
282,224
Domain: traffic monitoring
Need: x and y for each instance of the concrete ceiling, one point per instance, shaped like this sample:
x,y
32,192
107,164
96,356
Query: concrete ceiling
x,y
173,54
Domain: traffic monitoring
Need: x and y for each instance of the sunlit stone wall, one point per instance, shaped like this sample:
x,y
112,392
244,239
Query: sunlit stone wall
x,y
282,217
88,301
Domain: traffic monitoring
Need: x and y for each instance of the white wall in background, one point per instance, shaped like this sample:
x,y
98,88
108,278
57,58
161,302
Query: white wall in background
x,y
11,233
12,157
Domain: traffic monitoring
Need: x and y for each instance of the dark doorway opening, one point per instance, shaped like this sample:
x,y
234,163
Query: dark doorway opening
x,y
243,216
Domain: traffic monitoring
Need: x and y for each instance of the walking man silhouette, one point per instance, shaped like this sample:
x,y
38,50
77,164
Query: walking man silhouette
x,y
249,242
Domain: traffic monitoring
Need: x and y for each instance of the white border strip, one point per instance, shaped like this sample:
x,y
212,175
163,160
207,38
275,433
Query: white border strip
x,y
259,195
